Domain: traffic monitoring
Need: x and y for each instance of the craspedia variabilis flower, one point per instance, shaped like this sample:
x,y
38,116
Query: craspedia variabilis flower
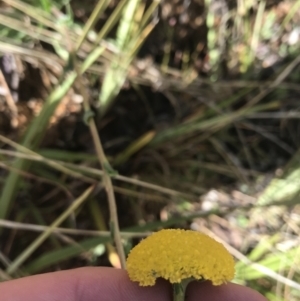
x,y
176,255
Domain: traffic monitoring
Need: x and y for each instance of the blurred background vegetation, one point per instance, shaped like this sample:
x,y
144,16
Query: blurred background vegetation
x,y
119,118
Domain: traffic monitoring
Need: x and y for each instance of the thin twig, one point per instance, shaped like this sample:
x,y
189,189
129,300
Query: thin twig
x,y
4,260
279,79
40,158
39,228
37,178
97,172
106,177
110,192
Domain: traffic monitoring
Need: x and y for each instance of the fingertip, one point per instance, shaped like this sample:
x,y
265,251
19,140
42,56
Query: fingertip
x,y
198,291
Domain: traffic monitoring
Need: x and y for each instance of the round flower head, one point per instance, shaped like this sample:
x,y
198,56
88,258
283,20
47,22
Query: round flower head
x,y
177,255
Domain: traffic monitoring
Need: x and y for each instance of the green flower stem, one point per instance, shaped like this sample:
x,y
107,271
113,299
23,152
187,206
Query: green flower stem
x,y
179,289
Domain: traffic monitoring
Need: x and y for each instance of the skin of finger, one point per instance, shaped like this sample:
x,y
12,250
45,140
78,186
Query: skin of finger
x,y
83,284
229,292
107,284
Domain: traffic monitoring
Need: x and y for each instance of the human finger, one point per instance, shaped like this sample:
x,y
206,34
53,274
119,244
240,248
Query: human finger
x,y
227,292
83,284
107,284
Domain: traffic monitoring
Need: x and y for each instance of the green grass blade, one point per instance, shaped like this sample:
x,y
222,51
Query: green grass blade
x,y
282,191
100,7
43,236
112,20
66,156
213,123
274,262
124,32
31,140
62,254
116,74
130,37
264,246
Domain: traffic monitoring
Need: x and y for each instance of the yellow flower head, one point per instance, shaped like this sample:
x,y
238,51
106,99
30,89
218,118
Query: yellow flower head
x,y
176,255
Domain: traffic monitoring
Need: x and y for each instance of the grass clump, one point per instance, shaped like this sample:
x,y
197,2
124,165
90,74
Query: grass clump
x,y
174,114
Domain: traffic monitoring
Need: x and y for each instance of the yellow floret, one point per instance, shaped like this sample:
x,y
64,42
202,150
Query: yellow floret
x,y
176,255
